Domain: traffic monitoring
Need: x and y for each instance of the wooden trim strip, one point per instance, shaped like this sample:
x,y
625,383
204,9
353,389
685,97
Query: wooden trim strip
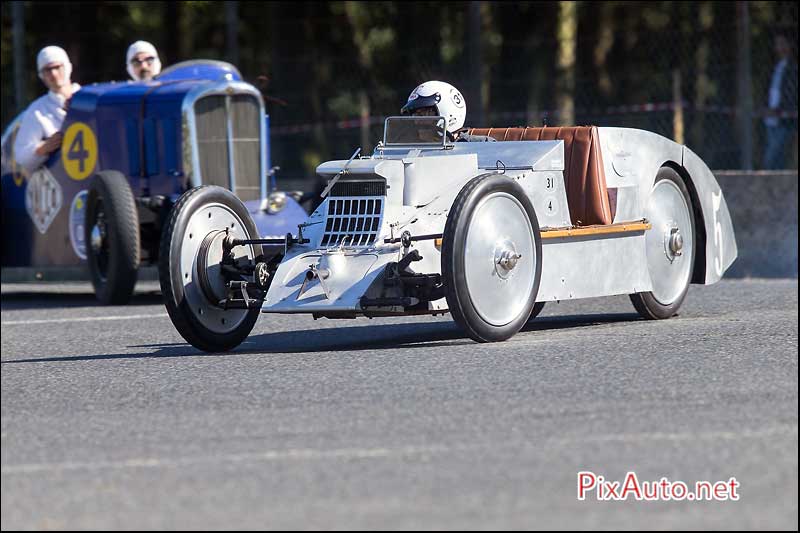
x,y
625,227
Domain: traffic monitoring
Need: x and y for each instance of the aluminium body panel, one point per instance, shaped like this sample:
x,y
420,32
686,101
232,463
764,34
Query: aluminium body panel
x,y
721,249
590,266
426,178
349,275
419,199
632,159
535,155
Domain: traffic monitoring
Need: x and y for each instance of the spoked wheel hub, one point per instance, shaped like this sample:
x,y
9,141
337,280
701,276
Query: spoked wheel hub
x,y
97,239
98,243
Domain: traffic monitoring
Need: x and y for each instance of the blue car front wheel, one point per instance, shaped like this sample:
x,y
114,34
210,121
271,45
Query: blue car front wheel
x,y
112,236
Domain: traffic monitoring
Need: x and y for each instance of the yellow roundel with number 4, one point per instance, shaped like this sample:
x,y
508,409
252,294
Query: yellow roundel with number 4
x,y
79,151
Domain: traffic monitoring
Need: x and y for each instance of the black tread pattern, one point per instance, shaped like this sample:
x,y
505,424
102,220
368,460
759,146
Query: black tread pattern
x,y
122,223
456,291
164,260
182,316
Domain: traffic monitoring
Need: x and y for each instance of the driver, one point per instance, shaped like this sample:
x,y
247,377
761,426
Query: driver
x,y
142,61
437,98
39,132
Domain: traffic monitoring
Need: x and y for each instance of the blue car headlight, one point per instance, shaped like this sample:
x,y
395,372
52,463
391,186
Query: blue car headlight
x,y
276,201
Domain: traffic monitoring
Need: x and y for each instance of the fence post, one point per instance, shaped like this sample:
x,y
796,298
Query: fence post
x,y
745,82
18,16
567,37
677,108
475,55
232,32
364,113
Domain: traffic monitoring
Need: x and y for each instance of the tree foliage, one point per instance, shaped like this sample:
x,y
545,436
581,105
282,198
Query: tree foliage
x,y
331,61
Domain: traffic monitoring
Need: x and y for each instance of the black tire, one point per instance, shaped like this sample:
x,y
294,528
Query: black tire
x,y
453,259
646,303
537,308
169,270
114,265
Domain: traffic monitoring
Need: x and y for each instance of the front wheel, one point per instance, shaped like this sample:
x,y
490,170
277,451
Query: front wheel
x,y
670,247
491,258
190,273
112,234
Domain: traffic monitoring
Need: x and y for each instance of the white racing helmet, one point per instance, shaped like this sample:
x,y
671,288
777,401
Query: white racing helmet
x,y
137,47
53,54
447,100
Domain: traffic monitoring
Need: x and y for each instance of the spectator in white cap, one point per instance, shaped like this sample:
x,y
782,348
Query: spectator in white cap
x,y
39,132
142,61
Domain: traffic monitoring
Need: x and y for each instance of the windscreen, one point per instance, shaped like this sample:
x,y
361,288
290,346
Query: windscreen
x,y
404,131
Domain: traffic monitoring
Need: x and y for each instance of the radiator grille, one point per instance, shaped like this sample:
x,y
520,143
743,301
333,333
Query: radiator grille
x,y
359,188
213,114
356,221
212,141
247,146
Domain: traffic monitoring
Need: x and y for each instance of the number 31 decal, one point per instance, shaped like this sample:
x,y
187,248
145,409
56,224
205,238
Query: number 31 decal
x,y
79,151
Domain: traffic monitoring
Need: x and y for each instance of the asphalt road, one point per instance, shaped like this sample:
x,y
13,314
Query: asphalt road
x,y
109,420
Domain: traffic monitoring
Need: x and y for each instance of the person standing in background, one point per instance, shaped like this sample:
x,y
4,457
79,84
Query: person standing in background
x,y
780,121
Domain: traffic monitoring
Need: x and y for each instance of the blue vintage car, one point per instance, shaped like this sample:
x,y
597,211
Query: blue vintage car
x,y
129,150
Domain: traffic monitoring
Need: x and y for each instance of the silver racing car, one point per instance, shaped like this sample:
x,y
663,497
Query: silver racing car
x,y
488,231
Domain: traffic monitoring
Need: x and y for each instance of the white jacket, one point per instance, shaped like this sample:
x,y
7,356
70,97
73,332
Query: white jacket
x,y
42,119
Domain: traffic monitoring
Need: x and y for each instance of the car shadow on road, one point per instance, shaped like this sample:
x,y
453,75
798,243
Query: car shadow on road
x,y
349,338
19,301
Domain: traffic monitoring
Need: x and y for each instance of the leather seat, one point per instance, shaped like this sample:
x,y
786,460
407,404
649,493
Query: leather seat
x,y
584,174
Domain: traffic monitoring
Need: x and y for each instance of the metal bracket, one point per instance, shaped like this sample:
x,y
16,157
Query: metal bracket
x,y
288,241
400,301
320,274
412,238
246,301
340,174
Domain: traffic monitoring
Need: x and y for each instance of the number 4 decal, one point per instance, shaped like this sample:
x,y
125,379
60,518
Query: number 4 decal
x,y
79,151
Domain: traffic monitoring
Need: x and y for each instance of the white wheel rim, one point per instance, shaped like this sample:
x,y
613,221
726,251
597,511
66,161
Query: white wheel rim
x,y
499,259
209,219
669,260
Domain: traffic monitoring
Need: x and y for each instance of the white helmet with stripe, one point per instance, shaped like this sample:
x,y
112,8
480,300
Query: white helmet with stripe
x,y
440,97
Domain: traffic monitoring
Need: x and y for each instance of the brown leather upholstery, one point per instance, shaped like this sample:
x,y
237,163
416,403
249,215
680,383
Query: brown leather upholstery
x,y
584,176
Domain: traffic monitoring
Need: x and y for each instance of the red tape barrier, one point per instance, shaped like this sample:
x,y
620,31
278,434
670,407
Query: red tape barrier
x,y
355,123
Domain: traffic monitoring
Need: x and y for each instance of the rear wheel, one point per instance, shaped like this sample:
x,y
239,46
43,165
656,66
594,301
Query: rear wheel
x,y
190,272
112,237
491,258
670,247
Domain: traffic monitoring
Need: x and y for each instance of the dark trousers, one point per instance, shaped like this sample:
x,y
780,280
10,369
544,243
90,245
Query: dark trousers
x,y
775,150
